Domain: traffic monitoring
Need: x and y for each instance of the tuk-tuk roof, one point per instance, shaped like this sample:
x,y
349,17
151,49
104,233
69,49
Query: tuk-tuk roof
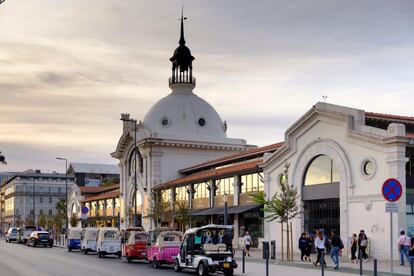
x,y
139,228
162,229
108,229
165,233
209,226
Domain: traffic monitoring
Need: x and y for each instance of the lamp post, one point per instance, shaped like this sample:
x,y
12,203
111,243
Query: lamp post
x,y
2,158
127,119
225,209
66,188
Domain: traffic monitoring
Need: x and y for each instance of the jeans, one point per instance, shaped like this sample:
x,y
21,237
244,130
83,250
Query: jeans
x,y
405,251
335,255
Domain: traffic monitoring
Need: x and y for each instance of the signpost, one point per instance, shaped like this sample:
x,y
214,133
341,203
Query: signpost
x,y
392,192
84,214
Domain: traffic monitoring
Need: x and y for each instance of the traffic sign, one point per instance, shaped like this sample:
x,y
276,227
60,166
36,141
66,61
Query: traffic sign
x,y
84,210
391,207
392,190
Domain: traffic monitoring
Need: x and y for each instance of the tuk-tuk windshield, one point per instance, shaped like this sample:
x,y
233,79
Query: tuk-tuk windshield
x,y
91,235
141,237
214,236
111,235
74,234
169,239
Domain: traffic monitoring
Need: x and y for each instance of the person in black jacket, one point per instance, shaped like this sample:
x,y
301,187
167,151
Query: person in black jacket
x,y
337,245
303,242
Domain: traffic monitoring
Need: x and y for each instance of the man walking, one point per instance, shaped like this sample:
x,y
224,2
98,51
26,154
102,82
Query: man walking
x,y
362,244
404,245
247,242
337,246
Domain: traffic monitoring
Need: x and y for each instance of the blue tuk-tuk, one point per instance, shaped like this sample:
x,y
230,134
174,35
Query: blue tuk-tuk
x,y
73,238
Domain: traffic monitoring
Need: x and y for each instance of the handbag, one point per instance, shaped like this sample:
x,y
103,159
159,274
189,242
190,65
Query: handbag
x,y
402,245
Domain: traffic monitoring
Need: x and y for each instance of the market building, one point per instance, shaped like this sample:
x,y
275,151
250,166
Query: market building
x,y
91,174
339,158
178,131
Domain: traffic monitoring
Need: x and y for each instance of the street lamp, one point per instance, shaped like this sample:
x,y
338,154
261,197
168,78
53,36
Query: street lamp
x,y
66,188
2,158
127,119
225,209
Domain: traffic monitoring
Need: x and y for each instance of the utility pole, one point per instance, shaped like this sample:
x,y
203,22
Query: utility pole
x,y
66,189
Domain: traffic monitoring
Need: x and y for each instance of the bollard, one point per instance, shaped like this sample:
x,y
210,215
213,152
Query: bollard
x,y
375,267
267,267
322,262
360,262
273,250
243,261
266,255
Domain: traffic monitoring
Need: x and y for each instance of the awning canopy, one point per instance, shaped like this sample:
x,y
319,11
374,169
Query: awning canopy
x,y
220,210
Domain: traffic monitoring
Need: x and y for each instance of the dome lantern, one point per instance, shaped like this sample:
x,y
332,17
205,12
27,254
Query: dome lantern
x,y
182,61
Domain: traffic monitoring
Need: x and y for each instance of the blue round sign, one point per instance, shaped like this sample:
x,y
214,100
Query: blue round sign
x,y
392,190
84,210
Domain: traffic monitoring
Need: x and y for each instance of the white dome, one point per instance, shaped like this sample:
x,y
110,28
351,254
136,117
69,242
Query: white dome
x,y
184,114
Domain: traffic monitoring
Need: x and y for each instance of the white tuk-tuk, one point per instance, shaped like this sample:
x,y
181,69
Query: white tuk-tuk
x,y
108,242
88,242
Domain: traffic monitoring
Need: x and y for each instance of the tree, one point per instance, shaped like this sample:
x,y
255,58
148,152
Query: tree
x,y
73,220
159,210
282,207
29,220
49,222
61,206
181,214
41,221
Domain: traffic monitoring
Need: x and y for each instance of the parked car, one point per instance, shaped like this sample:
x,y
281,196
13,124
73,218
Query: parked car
x,y
73,238
40,238
88,241
125,234
166,246
207,249
108,242
136,246
11,234
28,230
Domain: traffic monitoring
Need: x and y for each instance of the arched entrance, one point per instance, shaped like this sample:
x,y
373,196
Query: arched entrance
x,y
320,195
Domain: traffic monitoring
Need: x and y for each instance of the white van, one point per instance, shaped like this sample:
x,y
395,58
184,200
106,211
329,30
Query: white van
x,y
89,237
11,234
108,242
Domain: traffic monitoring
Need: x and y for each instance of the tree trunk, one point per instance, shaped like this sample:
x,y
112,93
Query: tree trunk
x,y
281,227
287,242
291,242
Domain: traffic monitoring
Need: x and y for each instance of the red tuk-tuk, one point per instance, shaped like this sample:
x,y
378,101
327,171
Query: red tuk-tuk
x,y
136,246
125,236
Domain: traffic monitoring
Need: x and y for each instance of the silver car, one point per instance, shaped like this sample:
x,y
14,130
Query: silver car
x,y
11,234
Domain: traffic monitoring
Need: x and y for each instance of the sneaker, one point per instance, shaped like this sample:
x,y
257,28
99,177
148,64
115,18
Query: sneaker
x,y
315,264
366,260
336,267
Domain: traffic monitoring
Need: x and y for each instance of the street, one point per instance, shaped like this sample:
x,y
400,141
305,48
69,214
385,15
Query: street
x,y
20,260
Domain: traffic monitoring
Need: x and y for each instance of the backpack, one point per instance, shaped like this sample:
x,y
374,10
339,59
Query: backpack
x,y
341,244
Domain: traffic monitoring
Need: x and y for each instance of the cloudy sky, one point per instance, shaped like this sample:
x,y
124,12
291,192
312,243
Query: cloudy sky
x,y
69,68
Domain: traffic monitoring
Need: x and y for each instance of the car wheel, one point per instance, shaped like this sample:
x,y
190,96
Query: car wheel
x,y
177,267
44,245
202,270
155,263
228,272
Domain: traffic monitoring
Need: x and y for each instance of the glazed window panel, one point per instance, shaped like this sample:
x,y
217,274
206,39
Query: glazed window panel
x,y
225,186
251,183
321,170
181,193
201,190
165,195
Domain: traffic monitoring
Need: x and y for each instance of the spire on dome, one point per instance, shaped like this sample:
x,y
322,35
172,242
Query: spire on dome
x,y
182,60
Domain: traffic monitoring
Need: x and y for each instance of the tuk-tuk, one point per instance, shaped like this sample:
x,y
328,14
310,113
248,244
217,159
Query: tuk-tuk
x,y
165,246
125,236
88,241
207,249
108,242
73,238
136,246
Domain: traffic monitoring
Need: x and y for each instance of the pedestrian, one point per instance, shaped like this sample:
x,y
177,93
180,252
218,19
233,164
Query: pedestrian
x,y
404,245
308,248
362,245
354,247
320,248
247,242
303,243
336,246
411,254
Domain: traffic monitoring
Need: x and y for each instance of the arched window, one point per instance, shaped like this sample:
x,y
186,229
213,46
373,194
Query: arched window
x,y
41,212
131,163
321,170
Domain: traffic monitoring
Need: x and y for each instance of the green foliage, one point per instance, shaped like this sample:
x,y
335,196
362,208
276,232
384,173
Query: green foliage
x,y
41,221
73,220
61,206
159,210
29,220
181,214
282,206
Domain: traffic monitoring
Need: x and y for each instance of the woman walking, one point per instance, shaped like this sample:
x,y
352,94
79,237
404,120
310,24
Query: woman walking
x,y
354,247
320,247
308,248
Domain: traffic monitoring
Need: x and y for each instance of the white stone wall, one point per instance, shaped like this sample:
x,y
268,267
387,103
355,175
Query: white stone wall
x,y
340,133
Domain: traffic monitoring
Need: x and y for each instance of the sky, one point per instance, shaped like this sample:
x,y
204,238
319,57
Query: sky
x,y
68,69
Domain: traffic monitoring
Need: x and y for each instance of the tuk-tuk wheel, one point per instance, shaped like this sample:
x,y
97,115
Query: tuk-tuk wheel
x,y
99,255
155,263
128,259
119,255
228,272
85,251
177,267
69,249
202,270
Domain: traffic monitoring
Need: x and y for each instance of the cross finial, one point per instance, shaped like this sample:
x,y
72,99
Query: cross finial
x,y
324,98
182,40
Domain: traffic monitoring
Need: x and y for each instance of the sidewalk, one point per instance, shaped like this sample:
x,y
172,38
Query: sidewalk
x,y
345,265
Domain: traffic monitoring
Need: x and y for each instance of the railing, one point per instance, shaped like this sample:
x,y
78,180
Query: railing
x,y
179,79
